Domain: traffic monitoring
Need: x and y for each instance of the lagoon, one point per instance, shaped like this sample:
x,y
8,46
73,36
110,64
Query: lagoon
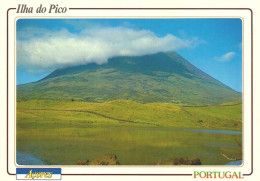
x,y
133,146
27,159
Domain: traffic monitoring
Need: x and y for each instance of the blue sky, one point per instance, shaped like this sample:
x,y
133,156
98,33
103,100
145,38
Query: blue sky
x,y
212,45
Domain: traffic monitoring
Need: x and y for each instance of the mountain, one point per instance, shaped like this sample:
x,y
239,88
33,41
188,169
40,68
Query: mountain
x,y
160,77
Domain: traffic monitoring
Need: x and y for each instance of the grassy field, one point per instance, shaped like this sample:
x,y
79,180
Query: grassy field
x,y
63,132
115,113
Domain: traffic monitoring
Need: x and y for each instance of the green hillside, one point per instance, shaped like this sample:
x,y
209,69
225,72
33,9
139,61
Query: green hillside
x,y
143,109
60,132
130,113
161,77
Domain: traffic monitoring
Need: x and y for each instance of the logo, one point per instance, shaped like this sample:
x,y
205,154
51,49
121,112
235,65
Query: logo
x,y
218,175
38,173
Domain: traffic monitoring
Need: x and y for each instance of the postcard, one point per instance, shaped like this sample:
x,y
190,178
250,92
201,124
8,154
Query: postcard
x,y
129,92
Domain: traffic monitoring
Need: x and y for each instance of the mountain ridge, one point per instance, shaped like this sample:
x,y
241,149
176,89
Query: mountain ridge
x,y
160,77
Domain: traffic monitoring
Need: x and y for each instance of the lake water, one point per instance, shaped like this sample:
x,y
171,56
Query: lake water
x,y
132,146
27,159
239,162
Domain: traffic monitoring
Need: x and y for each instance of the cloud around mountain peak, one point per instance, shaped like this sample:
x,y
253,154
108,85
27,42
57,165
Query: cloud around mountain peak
x,y
44,50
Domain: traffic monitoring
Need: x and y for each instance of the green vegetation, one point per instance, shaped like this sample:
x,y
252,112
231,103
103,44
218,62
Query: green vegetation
x,y
133,114
152,78
123,111
64,132
143,109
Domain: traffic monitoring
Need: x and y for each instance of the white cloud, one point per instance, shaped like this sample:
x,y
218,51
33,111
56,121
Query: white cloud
x,y
226,57
43,50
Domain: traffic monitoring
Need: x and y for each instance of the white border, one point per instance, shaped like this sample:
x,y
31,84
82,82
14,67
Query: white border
x,y
244,14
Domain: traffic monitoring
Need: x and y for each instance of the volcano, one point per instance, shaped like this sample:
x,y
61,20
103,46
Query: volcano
x,y
160,77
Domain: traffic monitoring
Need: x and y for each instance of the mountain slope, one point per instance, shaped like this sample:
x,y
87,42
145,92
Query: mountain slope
x,y
160,77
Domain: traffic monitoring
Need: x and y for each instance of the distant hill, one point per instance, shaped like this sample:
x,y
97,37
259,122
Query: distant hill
x,y
160,77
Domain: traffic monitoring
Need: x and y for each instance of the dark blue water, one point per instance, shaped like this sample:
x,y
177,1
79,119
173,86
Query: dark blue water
x,y
239,162
27,159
